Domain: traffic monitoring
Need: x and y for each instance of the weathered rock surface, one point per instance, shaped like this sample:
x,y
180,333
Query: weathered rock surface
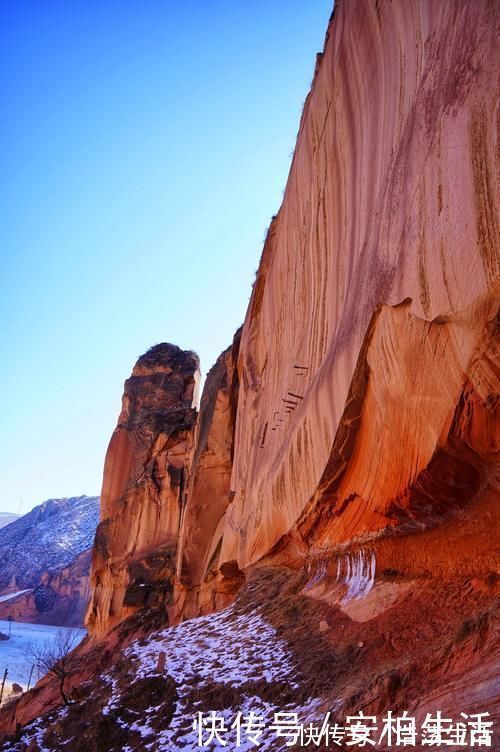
x,y
60,598
200,588
344,471
144,486
362,400
368,363
364,397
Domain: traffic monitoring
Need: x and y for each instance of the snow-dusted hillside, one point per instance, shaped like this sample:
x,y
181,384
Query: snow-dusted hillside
x,y
7,517
226,663
46,539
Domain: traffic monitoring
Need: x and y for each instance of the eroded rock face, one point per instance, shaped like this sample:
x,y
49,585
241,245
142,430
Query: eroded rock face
x,y
144,486
362,398
368,366
350,440
200,587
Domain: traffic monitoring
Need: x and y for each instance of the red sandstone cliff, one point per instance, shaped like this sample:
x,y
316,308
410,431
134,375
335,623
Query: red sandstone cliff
x,y
200,587
165,495
343,473
368,367
360,409
143,487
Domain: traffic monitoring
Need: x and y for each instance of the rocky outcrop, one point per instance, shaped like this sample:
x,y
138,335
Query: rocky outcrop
x,y
362,400
200,586
46,540
144,487
60,598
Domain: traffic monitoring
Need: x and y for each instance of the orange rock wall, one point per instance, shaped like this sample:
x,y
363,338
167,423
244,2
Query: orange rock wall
x,y
362,397
144,486
209,491
368,371
354,427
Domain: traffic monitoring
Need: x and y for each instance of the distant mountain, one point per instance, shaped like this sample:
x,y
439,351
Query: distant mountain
x,y
45,540
7,517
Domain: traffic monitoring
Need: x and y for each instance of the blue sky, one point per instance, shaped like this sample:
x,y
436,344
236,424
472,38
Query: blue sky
x,y
145,145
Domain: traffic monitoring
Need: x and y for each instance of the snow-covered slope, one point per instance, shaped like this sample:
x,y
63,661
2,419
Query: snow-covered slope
x,y
46,539
7,517
234,662
276,670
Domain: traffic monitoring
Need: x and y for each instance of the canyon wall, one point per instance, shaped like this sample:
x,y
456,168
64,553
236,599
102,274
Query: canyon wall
x,y
200,586
359,403
342,475
368,363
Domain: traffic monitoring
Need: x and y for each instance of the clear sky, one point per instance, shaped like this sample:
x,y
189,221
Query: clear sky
x,y
145,145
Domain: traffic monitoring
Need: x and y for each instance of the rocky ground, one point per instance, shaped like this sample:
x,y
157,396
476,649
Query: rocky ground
x,y
282,649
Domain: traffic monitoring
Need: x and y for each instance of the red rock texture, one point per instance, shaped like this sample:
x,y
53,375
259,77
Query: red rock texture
x,y
368,367
199,587
143,487
348,443
362,399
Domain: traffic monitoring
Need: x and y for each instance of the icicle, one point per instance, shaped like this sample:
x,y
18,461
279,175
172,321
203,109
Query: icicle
x,y
356,571
320,571
360,574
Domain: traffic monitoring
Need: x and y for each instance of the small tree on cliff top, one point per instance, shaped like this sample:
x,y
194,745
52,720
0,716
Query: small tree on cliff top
x,y
56,658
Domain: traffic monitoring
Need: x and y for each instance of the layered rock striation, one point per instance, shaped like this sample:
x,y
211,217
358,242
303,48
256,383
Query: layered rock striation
x,y
360,400
368,369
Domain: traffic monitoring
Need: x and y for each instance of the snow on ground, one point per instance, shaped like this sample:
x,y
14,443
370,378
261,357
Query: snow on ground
x,y
14,653
46,539
221,647
225,648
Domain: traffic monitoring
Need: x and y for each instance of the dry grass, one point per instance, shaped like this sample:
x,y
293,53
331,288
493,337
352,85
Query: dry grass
x,y
275,593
